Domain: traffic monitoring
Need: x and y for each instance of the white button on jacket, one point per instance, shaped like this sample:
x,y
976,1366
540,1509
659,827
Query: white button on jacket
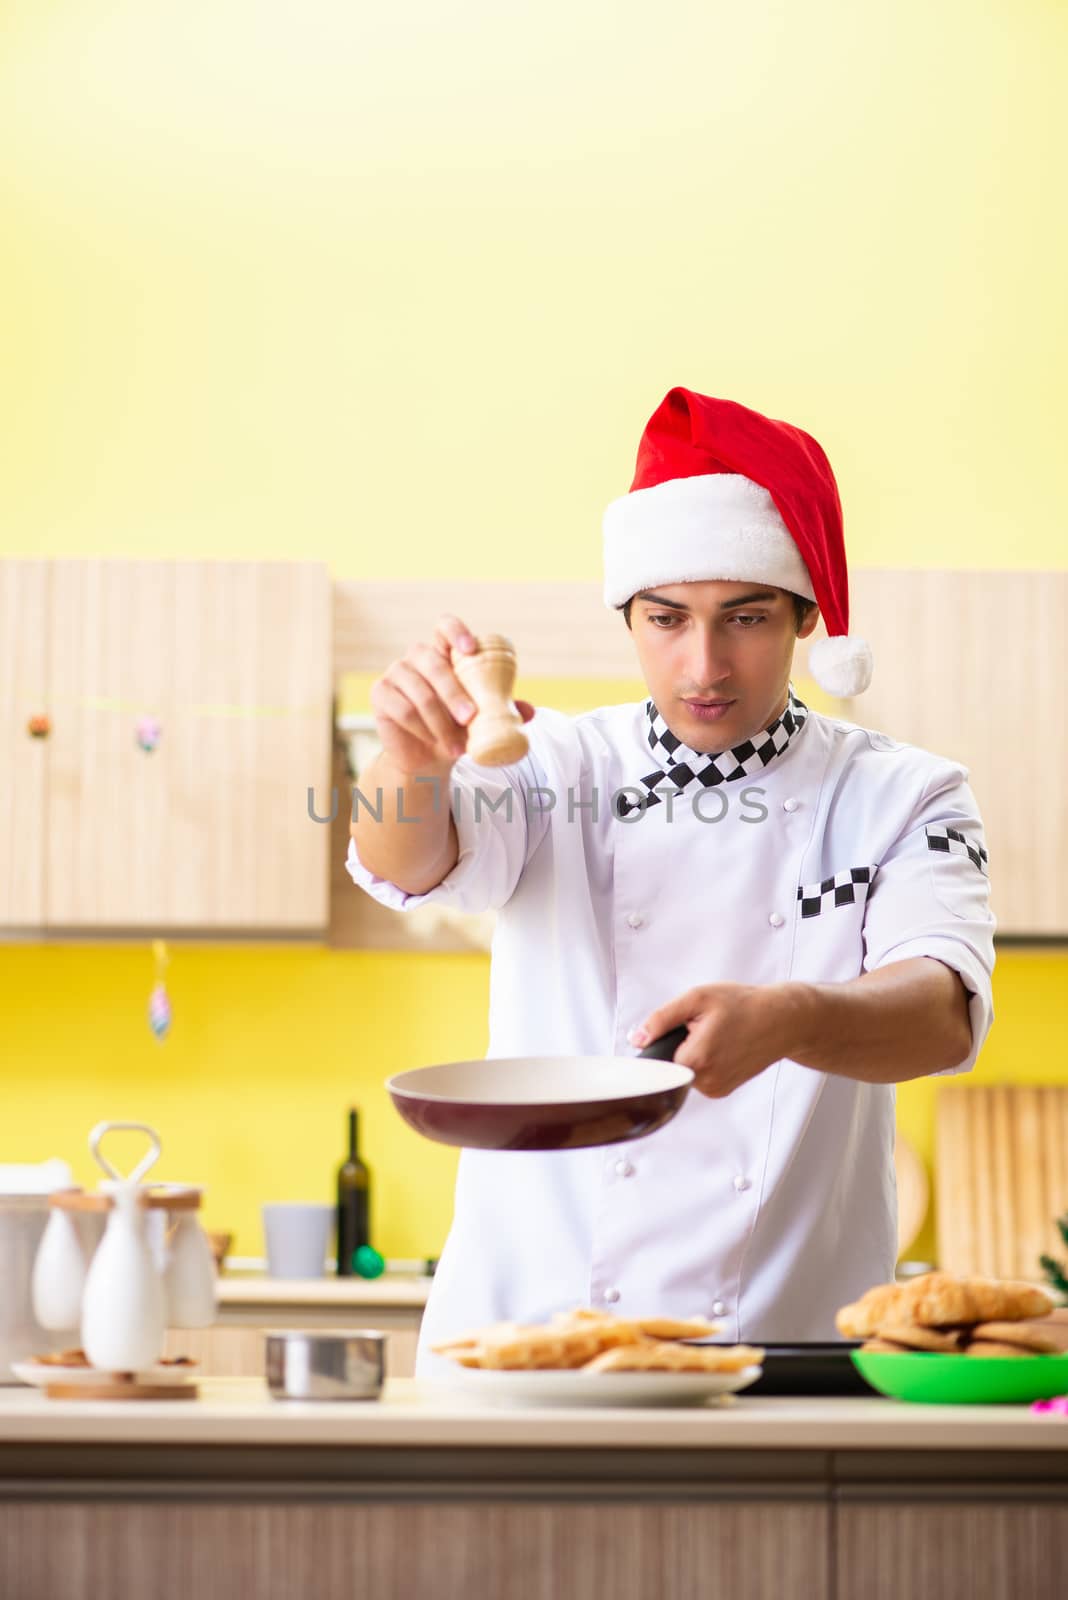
x,y
882,859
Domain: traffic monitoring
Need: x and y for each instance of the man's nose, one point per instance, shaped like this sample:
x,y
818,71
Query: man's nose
x,y
708,664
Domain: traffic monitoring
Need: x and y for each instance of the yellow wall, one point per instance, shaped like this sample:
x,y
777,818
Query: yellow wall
x,y
268,1047
398,287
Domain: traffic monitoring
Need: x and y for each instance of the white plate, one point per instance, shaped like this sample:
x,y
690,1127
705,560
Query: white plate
x,y
551,1388
38,1374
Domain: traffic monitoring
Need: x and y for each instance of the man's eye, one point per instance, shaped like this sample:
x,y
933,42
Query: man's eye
x,y
747,619
663,617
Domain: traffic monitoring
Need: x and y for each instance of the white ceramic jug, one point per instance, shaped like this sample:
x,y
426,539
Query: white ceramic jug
x,y
59,1273
123,1319
189,1278
122,1308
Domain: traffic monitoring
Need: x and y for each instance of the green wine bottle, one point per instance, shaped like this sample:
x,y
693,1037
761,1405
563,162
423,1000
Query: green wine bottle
x,y
353,1203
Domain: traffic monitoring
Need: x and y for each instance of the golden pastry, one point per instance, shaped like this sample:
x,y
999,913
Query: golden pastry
x,y
1040,1336
991,1347
912,1336
937,1299
649,1327
656,1355
579,1339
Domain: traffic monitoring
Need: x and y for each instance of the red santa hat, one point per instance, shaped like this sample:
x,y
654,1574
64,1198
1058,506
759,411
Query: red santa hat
x,y
723,492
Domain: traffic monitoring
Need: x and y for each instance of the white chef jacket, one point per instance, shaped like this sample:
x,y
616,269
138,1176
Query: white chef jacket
x,y
768,1208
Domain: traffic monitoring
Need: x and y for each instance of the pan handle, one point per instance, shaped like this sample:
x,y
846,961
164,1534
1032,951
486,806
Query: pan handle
x,y
663,1049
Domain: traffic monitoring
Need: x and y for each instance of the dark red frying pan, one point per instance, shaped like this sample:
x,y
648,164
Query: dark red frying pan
x,y
544,1102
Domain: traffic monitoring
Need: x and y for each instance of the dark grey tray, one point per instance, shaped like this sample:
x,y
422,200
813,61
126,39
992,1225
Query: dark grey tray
x,y
804,1369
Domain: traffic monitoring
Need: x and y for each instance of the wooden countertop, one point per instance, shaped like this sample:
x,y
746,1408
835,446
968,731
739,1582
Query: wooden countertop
x,y
339,1292
239,1411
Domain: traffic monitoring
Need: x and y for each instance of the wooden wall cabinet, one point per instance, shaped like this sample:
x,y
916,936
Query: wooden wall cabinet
x,y
972,665
208,831
23,759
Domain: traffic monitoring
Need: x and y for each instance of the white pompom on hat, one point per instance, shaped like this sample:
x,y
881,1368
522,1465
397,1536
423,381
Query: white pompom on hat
x,y
720,491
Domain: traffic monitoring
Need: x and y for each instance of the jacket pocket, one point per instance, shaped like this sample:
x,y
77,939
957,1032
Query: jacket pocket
x,y
960,869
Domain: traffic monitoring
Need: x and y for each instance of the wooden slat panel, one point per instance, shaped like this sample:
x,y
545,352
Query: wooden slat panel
x,y
24,761
1005,1207
1054,1162
1001,1177
1030,1182
986,1241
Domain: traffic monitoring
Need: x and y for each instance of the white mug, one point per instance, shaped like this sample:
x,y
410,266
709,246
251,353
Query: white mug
x,y
296,1236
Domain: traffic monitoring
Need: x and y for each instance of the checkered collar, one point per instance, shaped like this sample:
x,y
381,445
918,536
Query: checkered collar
x,y
683,766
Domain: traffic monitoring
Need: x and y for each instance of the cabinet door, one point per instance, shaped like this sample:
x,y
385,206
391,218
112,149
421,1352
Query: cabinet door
x,y
210,829
23,758
971,665
978,1543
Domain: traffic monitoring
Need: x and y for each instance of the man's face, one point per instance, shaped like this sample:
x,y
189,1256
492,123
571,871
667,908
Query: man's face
x,y
717,641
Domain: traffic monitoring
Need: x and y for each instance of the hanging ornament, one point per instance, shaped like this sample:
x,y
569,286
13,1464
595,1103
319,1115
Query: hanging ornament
x,y
159,1003
148,730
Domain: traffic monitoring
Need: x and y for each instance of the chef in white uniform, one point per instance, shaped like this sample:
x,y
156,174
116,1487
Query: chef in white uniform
x,y
809,897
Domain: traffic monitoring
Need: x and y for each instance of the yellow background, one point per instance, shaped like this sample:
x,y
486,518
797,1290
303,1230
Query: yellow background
x,y
398,287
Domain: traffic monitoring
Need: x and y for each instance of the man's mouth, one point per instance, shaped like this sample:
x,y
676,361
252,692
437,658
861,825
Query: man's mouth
x,y
708,710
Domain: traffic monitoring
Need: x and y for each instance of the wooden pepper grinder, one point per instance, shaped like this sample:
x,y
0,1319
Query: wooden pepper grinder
x,y
495,736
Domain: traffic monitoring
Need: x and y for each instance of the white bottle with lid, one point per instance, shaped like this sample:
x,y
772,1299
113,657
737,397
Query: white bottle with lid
x,y
123,1307
123,1320
59,1273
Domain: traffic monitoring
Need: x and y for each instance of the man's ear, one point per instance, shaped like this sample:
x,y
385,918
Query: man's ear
x,y
810,623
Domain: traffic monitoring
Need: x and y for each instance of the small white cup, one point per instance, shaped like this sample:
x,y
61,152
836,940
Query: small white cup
x,y
296,1236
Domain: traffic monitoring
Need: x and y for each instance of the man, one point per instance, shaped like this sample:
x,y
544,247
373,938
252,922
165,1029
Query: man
x,y
809,897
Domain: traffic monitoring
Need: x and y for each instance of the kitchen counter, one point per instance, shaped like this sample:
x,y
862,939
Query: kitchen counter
x,y
425,1492
421,1415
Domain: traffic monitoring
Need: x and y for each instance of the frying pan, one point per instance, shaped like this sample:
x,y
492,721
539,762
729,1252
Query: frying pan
x,y
544,1102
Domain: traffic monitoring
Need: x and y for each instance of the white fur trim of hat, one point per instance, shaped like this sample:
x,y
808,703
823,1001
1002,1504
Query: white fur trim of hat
x,y
719,526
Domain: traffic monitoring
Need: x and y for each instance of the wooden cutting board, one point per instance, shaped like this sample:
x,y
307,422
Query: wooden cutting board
x,y
1001,1178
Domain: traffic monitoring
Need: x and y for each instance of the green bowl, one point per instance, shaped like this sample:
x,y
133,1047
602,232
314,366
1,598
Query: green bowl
x,y
963,1380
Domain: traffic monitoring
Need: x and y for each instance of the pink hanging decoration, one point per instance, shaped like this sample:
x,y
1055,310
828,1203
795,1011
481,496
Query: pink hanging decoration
x,y
148,732
159,1003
